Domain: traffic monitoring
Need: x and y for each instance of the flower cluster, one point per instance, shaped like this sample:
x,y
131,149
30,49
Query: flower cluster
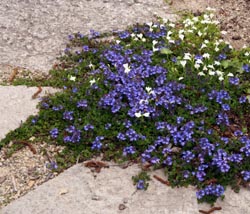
x,y
172,96
212,189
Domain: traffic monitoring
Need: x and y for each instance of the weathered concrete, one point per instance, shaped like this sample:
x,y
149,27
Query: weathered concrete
x,y
16,105
78,191
34,32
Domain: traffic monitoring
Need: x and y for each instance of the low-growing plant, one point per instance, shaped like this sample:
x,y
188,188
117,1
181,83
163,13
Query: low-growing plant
x,y
173,95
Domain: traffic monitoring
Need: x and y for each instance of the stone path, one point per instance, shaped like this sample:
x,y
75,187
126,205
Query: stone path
x,y
33,33
78,191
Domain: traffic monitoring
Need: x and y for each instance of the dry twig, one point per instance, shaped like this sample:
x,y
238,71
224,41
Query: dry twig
x,y
13,75
97,165
34,96
31,147
210,211
161,180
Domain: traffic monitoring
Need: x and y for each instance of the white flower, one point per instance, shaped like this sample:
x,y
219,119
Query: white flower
x,y
138,114
216,49
155,49
126,68
196,19
211,73
154,42
210,66
201,74
198,61
72,78
197,66
169,33
223,32
203,45
205,68
216,63
181,36
181,31
132,35
206,41
136,39
247,54
187,56
92,81
221,78
190,31
148,89
211,15
183,63
172,25
206,17
216,22
181,78
146,114
219,73
140,35
217,43
91,65
199,33
206,55
171,41
143,39
230,75
117,41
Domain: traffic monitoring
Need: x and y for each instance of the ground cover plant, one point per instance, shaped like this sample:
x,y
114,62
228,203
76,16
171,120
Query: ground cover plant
x,y
171,95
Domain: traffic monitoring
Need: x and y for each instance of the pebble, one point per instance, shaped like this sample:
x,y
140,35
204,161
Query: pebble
x,y
236,37
122,207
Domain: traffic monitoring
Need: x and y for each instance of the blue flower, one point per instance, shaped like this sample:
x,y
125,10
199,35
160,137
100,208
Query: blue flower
x,y
82,104
234,80
97,144
88,127
54,133
246,68
85,48
225,107
68,115
129,150
121,136
246,175
212,189
140,185
188,156
107,126
242,99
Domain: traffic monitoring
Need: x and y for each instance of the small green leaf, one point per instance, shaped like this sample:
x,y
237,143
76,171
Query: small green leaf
x,y
248,97
225,63
166,51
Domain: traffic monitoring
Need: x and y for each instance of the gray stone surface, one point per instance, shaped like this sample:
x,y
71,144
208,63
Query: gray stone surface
x,y
78,191
16,105
34,32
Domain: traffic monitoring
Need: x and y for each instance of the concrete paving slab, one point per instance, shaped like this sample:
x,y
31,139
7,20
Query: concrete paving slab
x,y
16,105
34,32
78,191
